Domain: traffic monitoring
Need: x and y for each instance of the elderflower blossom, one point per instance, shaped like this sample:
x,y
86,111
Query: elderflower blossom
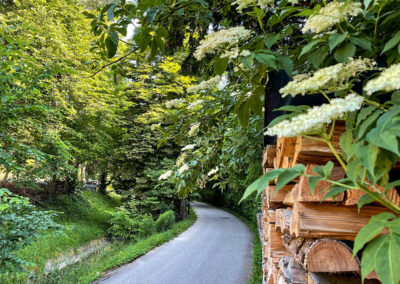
x,y
193,129
188,147
265,3
225,39
327,79
174,103
213,171
330,15
195,104
181,159
210,83
183,169
316,117
231,54
165,175
388,80
245,53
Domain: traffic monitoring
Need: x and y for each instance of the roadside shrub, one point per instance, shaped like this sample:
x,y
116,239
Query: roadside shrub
x,y
165,221
147,226
20,224
124,227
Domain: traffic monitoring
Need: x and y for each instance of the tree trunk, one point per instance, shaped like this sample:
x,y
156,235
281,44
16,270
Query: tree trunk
x,y
52,187
103,183
67,185
182,209
5,178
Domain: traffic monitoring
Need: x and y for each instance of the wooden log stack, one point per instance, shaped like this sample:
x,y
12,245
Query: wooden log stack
x,y
306,237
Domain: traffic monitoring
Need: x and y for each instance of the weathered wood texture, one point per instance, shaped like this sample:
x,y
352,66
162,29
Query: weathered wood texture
x,y
324,255
304,191
325,220
268,156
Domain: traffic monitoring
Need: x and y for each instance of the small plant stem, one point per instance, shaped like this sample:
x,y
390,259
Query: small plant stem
x,y
378,105
330,145
326,96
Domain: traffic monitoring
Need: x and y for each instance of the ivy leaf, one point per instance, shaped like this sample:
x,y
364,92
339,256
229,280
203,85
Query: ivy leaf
x,y
392,42
375,225
261,183
288,175
336,39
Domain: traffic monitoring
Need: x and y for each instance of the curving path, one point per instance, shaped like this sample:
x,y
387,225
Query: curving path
x,y
217,249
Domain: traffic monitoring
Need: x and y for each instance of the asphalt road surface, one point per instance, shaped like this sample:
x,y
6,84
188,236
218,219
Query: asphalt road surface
x,y
217,249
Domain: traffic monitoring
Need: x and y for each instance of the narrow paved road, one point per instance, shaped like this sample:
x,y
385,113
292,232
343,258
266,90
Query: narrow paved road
x,y
215,250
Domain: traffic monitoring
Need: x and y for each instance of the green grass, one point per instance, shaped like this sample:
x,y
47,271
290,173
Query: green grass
x,y
116,255
84,217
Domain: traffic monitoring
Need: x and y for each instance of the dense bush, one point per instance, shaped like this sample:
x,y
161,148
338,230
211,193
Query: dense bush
x,y
20,224
123,227
165,221
147,226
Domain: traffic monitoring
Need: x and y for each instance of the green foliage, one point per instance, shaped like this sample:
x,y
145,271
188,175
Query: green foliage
x,y
117,255
83,218
165,221
123,226
20,224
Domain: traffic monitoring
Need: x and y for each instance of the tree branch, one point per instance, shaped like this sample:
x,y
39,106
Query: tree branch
x,y
113,62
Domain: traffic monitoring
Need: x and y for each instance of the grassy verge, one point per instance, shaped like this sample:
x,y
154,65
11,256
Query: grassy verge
x,y
84,218
257,273
116,255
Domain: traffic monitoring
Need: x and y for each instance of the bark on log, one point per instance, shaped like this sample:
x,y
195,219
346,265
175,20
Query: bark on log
x,y
268,156
323,255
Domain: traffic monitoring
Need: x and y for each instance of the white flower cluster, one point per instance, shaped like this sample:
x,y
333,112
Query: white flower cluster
x,y
165,175
193,129
316,117
388,80
330,15
226,39
188,147
213,171
245,53
183,169
175,103
210,83
232,54
243,4
195,104
181,159
326,79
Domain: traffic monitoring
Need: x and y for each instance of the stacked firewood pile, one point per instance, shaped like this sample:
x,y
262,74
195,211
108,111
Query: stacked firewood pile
x,y
305,237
